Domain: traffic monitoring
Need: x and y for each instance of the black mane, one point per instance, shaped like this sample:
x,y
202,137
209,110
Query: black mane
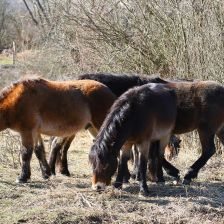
x,y
120,83
113,132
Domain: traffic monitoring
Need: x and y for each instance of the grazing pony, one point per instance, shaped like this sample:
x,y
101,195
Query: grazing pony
x,y
37,106
139,116
200,106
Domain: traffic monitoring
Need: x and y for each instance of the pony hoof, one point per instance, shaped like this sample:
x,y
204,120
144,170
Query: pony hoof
x,y
126,181
143,193
46,177
176,181
133,176
53,173
160,181
186,182
118,185
20,180
65,173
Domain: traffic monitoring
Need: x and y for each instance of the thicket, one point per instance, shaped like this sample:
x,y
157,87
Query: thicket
x,y
181,38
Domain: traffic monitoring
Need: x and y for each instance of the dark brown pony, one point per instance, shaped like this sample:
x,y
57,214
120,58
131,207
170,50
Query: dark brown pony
x,y
37,106
200,107
140,116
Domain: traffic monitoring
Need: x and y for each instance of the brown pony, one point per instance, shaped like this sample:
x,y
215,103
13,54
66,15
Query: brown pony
x,y
139,116
37,106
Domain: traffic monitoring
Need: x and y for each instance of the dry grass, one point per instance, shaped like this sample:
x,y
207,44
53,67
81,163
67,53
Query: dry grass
x,y
71,200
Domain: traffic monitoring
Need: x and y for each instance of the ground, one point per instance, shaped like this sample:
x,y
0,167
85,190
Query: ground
x,y
70,200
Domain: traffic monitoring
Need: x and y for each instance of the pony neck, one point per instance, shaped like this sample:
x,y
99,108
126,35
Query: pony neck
x,y
3,123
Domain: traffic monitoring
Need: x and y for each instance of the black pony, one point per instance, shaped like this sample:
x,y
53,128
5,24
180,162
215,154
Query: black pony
x,y
141,115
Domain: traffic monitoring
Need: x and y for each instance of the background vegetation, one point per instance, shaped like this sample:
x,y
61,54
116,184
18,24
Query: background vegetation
x,y
176,38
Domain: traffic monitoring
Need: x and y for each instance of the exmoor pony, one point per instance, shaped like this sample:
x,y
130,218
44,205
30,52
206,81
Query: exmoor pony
x,y
200,106
140,116
38,106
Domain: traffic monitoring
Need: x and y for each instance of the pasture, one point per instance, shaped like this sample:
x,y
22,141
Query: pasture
x,y
71,200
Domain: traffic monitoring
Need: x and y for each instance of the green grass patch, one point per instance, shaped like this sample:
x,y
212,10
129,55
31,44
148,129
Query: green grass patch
x,y
6,60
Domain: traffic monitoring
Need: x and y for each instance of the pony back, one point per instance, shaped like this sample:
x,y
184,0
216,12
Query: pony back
x,y
120,83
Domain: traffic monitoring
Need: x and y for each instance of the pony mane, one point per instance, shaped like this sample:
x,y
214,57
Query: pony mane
x,y
25,81
112,135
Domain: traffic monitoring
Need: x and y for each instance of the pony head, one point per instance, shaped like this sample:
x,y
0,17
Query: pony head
x,y
173,148
104,166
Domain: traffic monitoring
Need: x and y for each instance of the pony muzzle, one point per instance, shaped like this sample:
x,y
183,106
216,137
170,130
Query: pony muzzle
x,y
99,186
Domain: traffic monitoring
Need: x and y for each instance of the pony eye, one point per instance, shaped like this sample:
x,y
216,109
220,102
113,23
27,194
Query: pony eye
x,y
106,166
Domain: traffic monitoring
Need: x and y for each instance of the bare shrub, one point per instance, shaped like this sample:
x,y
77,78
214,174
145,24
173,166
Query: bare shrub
x,y
174,38
10,146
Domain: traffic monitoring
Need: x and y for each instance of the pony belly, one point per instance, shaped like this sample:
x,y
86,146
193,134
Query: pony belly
x,y
59,131
159,133
63,128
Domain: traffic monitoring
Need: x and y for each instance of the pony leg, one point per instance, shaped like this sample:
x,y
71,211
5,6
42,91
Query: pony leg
x,y
56,146
153,161
143,159
64,162
170,169
25,157
162,162
125,156
41,156
220,135
123,171
135,173
208,149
